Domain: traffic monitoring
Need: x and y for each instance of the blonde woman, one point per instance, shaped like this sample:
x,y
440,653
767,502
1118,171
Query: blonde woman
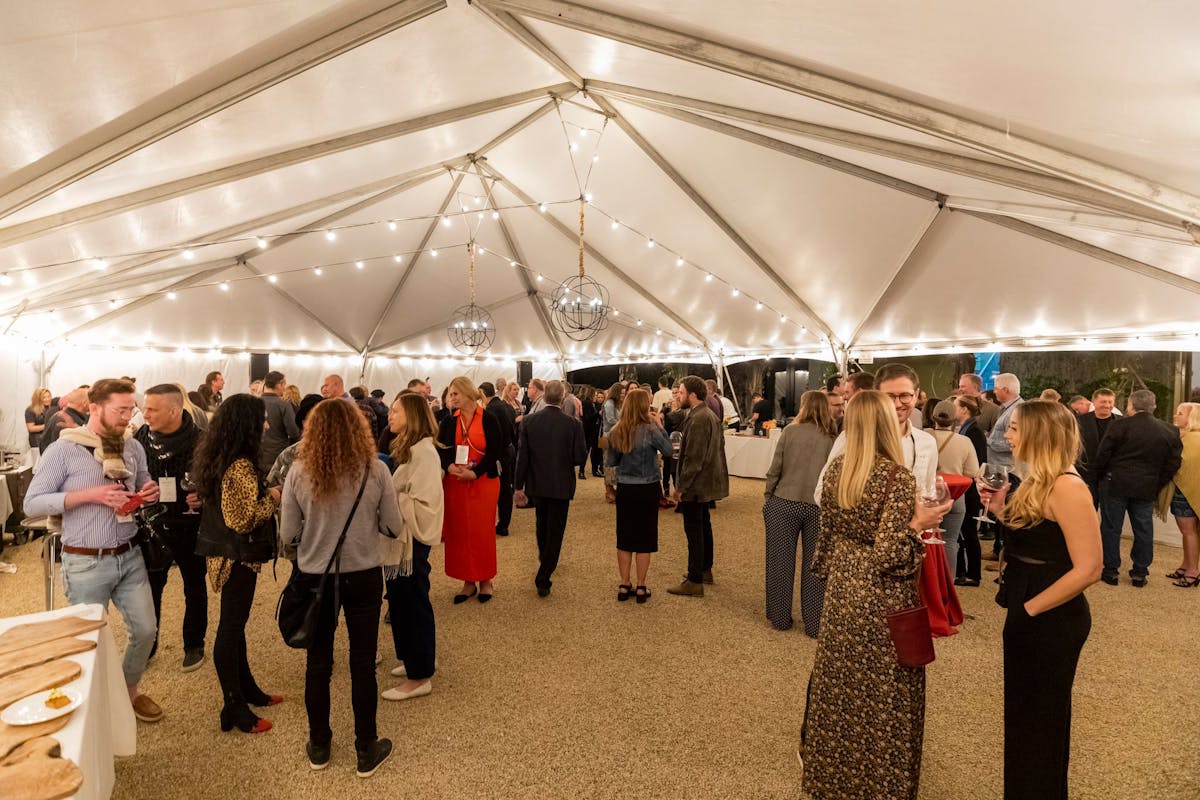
x,y
790,516
865,718
35,418
418,484
292,395
634,445
1053,553
199,416
473,448
1185,498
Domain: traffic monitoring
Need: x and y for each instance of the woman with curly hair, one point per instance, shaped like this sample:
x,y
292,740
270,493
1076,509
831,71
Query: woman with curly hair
x,y
237,534
338,485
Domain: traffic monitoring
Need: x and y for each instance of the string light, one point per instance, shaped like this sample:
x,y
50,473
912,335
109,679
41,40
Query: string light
x,y
261,242
495,215
99,263
650,242
272,279
189,254
433,253
397,258
359,264
614,225
317,271
735,293
512,263
171,295
330,235
5,280
708,278
539,277
224,286
758,306
392,224
542,207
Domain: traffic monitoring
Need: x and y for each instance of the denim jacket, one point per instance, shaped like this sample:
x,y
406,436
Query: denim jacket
x,y
640,465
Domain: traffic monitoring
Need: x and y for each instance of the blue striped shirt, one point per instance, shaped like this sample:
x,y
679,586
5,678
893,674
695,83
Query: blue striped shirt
x,y
69,467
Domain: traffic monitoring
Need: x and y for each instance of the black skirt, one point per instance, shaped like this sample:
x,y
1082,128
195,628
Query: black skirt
x,y
637,517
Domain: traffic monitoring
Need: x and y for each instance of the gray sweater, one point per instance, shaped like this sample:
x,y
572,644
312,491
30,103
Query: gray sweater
x,y
800,455
318,523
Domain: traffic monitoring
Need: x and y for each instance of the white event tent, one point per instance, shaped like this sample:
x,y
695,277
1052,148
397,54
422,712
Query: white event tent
x,y
184,183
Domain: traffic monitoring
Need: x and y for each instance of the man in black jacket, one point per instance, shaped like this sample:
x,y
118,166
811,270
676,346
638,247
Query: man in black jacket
x,y
1092,427
169,438
507,416
551,448
281,430
1137,456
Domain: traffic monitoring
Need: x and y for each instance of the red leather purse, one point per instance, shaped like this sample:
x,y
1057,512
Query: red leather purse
x,y
909,629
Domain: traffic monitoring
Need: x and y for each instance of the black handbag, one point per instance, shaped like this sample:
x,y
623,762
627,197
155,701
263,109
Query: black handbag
x,y
300,601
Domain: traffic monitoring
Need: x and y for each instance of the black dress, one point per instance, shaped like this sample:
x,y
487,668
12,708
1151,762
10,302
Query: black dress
x,y
1040,657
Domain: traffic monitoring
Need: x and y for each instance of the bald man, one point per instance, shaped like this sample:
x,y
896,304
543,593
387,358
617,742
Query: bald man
x,y
75,415
334,386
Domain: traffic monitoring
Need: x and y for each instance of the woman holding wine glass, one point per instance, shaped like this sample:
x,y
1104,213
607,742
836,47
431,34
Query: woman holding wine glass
x,y
1052,554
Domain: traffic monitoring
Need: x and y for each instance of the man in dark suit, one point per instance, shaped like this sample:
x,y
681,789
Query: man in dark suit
x,y
551,448
1092,427
1137,456
507,416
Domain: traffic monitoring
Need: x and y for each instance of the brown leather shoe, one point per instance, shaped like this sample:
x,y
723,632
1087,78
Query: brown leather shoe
x,y
146,709
688,589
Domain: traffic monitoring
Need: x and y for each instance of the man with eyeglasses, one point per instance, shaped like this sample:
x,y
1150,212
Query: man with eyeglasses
x,y
101,560
900,383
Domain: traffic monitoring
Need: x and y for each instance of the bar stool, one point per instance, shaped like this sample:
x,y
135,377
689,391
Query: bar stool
x,y
51,543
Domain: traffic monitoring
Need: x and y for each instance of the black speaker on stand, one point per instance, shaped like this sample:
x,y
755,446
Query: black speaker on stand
x,y
524,373
260,365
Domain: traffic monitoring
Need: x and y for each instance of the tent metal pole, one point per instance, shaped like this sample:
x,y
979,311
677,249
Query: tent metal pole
x,y
255,69
682,108
714,216
100,209
955,128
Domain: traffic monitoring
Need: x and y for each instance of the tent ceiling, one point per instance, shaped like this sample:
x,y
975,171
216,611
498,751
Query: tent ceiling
x,y
888,232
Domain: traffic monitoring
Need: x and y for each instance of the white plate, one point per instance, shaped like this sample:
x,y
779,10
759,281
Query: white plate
x,y
33,709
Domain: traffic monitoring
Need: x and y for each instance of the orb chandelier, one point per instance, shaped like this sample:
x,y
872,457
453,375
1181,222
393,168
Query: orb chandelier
x,y
579,306
471,328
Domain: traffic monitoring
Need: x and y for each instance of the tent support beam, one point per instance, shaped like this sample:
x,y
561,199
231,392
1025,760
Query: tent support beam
x,y
260,67
514,248
714,216
916,116
73,288
443,326
1080,218
573,236
1083,248
411,266
787,148
679,107
30,229
303,309
894,284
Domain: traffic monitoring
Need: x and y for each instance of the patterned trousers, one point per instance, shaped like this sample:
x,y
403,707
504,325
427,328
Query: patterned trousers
x,y
788,522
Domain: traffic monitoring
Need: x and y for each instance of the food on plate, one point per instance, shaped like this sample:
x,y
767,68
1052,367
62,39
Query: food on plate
x,y
57,699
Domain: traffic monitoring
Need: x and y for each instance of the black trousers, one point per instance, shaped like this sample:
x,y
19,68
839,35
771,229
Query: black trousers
x,y
229,648
597,459
360,599
551,525
970,555
413,631
1040,657
504,504
668,469
192,569
697,525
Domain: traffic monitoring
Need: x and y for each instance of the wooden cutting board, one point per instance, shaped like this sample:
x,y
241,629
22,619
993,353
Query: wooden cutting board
x,y
11,736
19,637
35,679
41,653
36,771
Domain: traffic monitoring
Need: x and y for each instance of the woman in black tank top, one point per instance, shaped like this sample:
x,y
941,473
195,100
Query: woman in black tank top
x,y
1052,554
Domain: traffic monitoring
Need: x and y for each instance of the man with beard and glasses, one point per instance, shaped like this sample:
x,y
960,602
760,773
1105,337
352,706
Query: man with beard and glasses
x,y
89,475
169,438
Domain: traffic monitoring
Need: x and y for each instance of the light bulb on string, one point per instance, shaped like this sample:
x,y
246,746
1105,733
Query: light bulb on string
x,y
330,235
679,261
495,215
99,263
5,280
261,242
189,254
512,263
708,278
112,303
539,277
783,318
317,271
542,207
574,146
224,286
359,264
758,306
614,225
433,253
391,225
397,259
639,323
272,279
595,158
734,293
171,295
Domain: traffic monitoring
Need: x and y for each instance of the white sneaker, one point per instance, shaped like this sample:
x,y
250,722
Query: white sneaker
x,y
378,658
395,694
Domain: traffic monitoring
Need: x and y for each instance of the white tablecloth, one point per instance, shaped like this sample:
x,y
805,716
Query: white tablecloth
x,y
6,506
749,456
104,726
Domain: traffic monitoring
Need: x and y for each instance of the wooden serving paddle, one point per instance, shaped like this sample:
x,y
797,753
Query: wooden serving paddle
x,y
41,653
19,637
36,771
12,736
35,679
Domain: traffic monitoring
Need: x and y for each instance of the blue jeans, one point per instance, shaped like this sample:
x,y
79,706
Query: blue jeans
x,y
123,580
952,523
1141,519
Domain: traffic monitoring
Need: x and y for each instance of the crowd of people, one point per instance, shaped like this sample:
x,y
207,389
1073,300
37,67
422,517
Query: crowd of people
x,y
341,483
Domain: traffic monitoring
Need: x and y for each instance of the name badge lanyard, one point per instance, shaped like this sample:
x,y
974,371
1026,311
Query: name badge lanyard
x,y
466,435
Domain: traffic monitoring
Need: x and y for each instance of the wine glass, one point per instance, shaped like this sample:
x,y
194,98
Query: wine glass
x,y
993,476
932,495
676,443
187,485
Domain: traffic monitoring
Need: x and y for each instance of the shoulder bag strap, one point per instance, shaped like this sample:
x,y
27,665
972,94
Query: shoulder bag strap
x,y
945,442
337,551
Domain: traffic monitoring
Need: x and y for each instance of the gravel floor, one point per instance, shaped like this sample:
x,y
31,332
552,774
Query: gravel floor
x,y
579,696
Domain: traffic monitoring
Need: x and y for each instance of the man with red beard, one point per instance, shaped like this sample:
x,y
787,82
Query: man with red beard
x,y
90,476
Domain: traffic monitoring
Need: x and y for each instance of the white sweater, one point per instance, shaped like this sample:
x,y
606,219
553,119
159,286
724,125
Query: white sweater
x,y
418,487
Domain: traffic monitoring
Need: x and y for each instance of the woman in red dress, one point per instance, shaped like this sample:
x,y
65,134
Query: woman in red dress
x,y
474,448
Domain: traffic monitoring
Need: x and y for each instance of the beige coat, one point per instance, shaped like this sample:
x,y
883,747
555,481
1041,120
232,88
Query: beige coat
x,y
956,454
